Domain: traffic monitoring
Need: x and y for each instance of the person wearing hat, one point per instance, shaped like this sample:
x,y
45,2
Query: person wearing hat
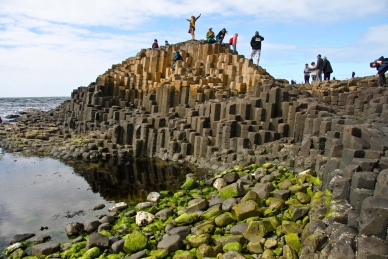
x,y
210,36
381,66
192,25
256,46
155,45
221,35
319,67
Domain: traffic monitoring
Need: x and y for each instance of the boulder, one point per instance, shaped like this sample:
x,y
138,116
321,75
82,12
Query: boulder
x,y
256,230
135,242
97,240
183,231
104,226
73,229
42,239
231,191
228,204
21,237
371,248
45,248
144,205
164,214
201,204
223,220
197,240
138,255
231,177
118,206
92,226
212,212
374,217
108,219
118,246
153,197
144,218
219,183
186,219
171,243
98,207
245,210
239,229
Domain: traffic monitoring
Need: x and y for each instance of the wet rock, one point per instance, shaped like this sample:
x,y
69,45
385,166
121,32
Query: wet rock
x,y
42,239
164,214
119,207
97,240
104,226
108,219
45,248
98,207
92,226
21,237
118,246
171,243
144,218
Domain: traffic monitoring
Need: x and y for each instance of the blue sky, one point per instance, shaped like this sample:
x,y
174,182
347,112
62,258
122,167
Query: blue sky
x,y
50,47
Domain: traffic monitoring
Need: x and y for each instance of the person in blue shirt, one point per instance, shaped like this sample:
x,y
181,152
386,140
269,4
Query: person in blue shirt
x,y
177,56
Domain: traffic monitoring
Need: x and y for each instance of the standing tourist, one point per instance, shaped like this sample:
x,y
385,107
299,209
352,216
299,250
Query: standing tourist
x,y
381,66
313,71
210,36
221,35
326,68
166,43
353,74
256,46
192,25
319,67
307,72
155,45
234,42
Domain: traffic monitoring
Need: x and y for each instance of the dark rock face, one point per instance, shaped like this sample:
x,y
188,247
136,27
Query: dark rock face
x,y
374,217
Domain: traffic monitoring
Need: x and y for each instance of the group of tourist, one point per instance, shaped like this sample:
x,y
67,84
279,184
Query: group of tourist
x,y
316,70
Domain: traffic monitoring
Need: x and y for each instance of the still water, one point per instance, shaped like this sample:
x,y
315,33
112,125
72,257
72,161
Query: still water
x,y
36,192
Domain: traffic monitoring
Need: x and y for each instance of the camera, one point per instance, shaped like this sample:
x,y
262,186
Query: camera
x,y
374,64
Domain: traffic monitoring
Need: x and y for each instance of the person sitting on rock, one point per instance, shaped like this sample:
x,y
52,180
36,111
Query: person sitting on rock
x,y
177,56
192,25
210,36
221,35
155,45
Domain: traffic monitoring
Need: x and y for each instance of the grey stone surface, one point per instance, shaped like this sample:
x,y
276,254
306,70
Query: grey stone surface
x,y
97,240
171,243
21,237
45,248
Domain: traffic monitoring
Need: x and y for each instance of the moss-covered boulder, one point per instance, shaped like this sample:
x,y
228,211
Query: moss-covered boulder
x,y
197,240
289,253
189,184
245,210
18,253
92,253
255,247
267,165
293,241
180,254
229,239
212,212
257,230
205,250
135,242
302,197
223,220
251,195
159,253
231,191
233,247
284,185
186,219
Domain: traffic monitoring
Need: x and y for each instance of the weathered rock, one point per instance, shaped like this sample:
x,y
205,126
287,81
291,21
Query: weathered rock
x,y
138,255
197,240
228,204
98,207
97,240
216,201
144,218
153,197
263,190
231,177
21,237
223,220
42,239
104,226
73,229
212,212
107,219
231,191
371,248
219,183
144,205
201,204
45,248
118,206
239,229
245,210
183,231
171,243
232,255
118,246
374,217
257,230
164,214
92,226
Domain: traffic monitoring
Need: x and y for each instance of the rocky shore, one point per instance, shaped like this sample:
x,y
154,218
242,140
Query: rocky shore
x,y
219,111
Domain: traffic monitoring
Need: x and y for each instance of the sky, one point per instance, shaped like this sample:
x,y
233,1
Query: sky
x,y
50,47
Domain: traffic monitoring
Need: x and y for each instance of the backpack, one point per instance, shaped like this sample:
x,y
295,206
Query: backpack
x,y
231,41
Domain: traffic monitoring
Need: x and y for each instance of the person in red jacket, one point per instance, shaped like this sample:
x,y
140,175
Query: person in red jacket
x,y
155,45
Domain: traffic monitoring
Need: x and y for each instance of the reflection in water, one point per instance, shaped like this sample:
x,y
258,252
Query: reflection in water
x,y
132,181
36,192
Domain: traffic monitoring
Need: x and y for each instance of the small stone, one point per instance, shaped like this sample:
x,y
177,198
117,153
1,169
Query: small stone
x,y
118,207
136,241
45,248
219,183
98,207
73,229
228,204
153,197
144,205
21,237
171,243
164,214
144,218
42,239
97,240
270,243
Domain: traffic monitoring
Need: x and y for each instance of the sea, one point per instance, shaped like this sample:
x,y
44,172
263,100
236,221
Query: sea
x,y
13,106
41,195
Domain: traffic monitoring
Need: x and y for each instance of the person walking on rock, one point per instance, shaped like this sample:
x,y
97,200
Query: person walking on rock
x,y
256,46
155,45
307,72
326,69
381,66
234,42
210,36
319,67
221,35
192,25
